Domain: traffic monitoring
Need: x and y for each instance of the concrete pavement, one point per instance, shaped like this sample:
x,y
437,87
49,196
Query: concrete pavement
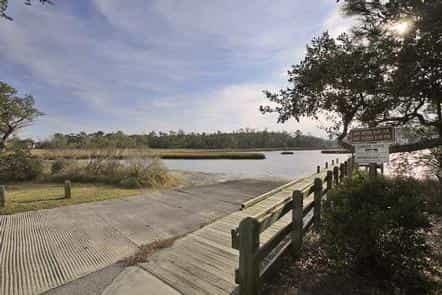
x,y
46,249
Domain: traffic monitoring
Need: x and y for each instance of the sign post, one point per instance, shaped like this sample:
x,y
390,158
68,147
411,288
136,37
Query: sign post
x,y
372,146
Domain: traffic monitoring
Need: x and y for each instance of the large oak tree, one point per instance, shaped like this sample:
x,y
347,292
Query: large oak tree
x,y
16,112
388,70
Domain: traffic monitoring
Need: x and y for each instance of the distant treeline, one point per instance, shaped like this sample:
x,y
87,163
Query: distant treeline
x,y
242,139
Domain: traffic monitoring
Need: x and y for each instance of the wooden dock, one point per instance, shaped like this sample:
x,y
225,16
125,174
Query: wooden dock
x,y
204,262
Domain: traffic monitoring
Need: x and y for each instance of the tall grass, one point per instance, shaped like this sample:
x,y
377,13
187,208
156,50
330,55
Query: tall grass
x,y
85,154
136,173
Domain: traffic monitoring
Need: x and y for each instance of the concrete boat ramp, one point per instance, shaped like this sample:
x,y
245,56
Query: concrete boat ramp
x,y
73,249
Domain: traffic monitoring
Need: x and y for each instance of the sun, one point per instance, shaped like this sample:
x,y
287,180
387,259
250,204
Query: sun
x,y
400,28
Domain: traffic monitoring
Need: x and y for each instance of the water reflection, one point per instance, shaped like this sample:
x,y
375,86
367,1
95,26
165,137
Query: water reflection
x,y
301,163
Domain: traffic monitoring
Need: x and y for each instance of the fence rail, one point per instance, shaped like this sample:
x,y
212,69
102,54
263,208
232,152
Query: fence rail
x,y
257,261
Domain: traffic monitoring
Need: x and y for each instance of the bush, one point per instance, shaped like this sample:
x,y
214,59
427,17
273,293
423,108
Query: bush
x,y
58,165
130,174
375,227
130,182
433,195
19,166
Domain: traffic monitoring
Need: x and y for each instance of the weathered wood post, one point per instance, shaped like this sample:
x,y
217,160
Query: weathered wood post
x,y
298,205
329,180
67,189
337,161
336,175
248,265
333,162
373,170
346,164
355,165
326,165
318,169
318,202
350,167
2,196
341,173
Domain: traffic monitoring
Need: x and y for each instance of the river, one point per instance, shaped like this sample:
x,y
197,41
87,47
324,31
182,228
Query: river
x,y
301,163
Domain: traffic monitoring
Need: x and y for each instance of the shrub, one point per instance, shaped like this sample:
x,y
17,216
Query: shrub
x,y
374,227
433,195
130,174
130,182
19,166
58,165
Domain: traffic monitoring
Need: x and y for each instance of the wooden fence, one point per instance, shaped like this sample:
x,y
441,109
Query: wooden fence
x,y
256,261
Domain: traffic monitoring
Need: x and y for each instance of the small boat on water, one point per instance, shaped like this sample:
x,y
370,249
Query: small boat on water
x,y
287,153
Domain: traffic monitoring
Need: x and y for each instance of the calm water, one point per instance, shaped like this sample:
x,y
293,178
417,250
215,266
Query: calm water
x,y
301,163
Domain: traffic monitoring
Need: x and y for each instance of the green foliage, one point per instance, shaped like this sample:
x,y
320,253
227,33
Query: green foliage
x,y
375,227
433,195
58,165
15,112
19,166
241,139
130,182
377,74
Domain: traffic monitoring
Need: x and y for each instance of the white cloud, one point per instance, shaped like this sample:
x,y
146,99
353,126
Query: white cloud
x,y
163,64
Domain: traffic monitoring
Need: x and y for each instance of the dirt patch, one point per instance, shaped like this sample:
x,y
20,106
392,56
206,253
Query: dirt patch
x,y
145,251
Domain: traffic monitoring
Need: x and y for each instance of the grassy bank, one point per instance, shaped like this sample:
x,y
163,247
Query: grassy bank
x,y
32,196
142,153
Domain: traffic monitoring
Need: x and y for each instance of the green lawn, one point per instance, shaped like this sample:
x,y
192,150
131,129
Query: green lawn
x,y
30,196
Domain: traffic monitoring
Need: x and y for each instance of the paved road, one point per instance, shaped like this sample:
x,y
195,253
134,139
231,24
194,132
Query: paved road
x,y
45,249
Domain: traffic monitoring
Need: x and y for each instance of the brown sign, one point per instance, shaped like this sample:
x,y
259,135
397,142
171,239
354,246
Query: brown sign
x,y
378,134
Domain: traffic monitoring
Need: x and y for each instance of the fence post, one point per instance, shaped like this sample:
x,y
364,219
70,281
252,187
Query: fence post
x,y
67,189
341,173
318,169
346,169
337,161
318,202
329,180
373,170
350,167
2,196
248,266
326,165
336,175
333,162
298,206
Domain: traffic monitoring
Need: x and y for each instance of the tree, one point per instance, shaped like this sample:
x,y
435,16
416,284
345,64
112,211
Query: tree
x,y
15,112
4,7
411,41
387,71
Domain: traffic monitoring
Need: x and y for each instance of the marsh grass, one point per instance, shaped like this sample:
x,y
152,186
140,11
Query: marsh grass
x,y
98,178
85,154
136,173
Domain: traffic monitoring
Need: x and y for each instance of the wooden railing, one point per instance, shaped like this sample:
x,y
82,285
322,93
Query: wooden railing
x,y
256,261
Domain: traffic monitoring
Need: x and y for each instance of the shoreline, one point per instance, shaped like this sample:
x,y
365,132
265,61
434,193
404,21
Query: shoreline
x,y
200,154
198,178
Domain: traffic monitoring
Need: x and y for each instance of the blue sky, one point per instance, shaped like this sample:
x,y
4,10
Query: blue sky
x,y
139,65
